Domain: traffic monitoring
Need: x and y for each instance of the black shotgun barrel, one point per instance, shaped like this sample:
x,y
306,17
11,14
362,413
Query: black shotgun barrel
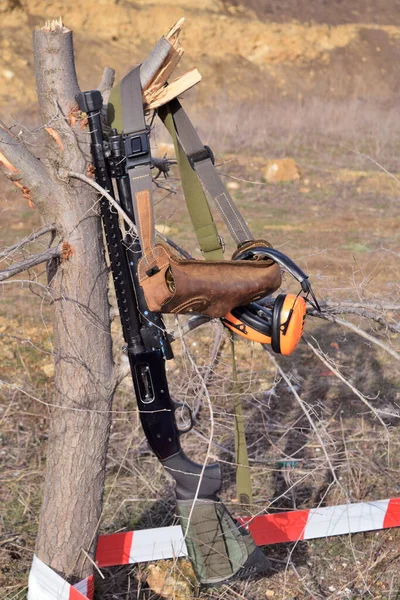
x,y
144,331
91,103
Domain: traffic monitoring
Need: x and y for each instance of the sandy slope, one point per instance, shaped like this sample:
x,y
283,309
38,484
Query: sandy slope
x,y
237,52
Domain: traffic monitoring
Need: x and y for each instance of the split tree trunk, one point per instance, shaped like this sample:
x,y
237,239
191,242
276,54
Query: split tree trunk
x,y
84,371
84,378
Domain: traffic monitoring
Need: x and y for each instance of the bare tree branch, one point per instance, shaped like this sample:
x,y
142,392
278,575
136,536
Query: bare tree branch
x,y
57,86
122,213
372,316
30,173
328,363
154,61
32,261
53,58
105,88
360,332
106,195
31,238
106,84
369,306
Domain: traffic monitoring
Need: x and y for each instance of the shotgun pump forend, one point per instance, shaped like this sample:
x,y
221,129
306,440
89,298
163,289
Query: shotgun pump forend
x,y
157,415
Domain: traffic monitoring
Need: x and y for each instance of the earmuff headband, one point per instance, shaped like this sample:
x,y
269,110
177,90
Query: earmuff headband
x,y
280,258
282,325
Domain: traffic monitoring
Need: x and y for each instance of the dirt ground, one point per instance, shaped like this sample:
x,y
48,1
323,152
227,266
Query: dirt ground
x,y
332,12
340,222
299,50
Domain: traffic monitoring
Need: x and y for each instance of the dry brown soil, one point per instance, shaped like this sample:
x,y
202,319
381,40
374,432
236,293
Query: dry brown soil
x,y
290,81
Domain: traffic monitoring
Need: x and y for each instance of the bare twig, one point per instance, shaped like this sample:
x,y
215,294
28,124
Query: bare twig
x,y
191,324
328,363
243,180
166,188
31,238
90,559
32,261
305,410
360,332
122,213
214,357
106,195
373,161
356,311
381,306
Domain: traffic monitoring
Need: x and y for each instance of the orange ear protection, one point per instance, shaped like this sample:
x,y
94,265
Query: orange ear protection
x,y
281,324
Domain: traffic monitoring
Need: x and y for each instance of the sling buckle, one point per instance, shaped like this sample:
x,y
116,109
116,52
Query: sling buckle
x,y
137,149
201,155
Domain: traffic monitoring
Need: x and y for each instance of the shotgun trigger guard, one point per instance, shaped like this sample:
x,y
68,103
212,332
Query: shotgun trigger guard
x,y
183,416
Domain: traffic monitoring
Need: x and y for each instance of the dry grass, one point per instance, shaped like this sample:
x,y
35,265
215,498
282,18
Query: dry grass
x,y
316,128
343,231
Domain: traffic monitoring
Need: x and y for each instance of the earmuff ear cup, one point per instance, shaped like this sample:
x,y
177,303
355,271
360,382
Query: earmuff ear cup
x,y
249,316
282,327
276,323
247,324
289,314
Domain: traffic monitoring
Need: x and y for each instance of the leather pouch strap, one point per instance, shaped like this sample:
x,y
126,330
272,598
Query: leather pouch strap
x,y
140,174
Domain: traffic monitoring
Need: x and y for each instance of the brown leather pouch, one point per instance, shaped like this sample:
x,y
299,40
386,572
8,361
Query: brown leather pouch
x,y
212,288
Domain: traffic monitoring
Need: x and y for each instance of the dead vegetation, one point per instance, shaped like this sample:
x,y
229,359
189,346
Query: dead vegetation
x,y
358,458
338,444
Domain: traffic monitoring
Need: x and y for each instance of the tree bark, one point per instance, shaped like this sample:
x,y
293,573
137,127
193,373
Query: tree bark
x,y
85,377
84,370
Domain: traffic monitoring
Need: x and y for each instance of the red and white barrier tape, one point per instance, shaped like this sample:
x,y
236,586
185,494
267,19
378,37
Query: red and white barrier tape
x,y
323,522
168,542
140,546
46,584
116,549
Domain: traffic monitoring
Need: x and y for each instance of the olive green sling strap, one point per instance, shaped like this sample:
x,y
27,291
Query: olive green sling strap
x,y
243,479
196,201
196,173
202,162
211,246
